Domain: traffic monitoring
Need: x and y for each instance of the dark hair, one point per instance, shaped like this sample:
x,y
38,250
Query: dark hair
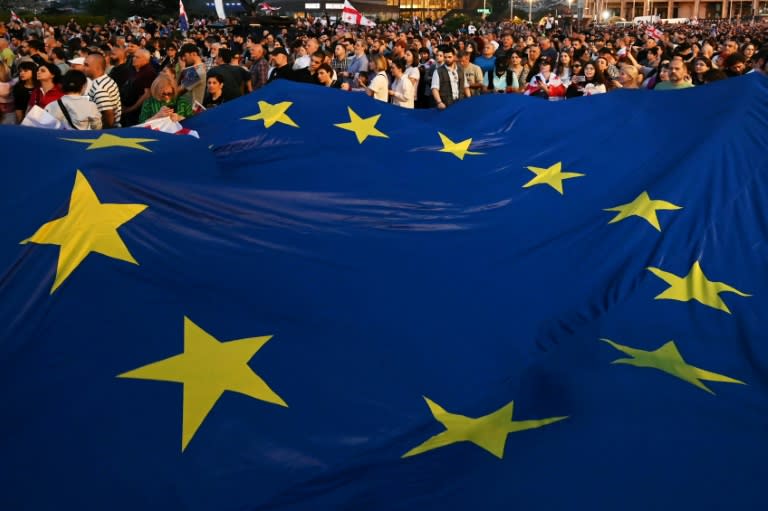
x,y
326,67
59,53
37,45
27,65
53,69
714,75
217,76
73,81
399,63
226,55
189,48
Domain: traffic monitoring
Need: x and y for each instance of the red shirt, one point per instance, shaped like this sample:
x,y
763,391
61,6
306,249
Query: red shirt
x,y
42,99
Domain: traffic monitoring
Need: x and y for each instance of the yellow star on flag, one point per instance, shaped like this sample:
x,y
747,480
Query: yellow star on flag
x,y
89,226
362,128
644,207
272,114
694,286
458,149
552,176
105,140
489,431
668,359
207,368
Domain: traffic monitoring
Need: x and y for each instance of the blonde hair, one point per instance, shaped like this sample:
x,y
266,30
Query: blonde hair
x,y
5,73
379,62
633,73
163,81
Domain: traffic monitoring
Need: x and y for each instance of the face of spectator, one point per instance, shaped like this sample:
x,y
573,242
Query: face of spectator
x,y
140,60
749,50
323,76
533,53
738,67
340,52
730,47
624,77
515,60
315,63
43,75
214,86
506,42
25,74
589,70
410,58
439,57
602,64
700,67
565,58
676,71
488,50
449,58
576,67
545,68
166,94
24,49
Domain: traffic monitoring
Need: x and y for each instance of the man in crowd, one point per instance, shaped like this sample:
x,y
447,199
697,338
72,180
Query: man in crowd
x,y
104,91
448,85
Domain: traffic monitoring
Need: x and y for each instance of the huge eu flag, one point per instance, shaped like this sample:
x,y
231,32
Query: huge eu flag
x,y
327,303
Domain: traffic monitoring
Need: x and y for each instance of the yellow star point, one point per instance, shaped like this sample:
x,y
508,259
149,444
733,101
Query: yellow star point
x,y
552,176
488,432
272,114
362,128
106,140
669,360
458,149
644,207
207,368
695,286
89,226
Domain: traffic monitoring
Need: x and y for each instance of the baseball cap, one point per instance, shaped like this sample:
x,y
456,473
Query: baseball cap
x,y
77,61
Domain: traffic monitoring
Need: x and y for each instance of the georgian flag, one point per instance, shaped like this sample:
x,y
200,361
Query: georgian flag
x,y
183,21
653,32
351,15
15,17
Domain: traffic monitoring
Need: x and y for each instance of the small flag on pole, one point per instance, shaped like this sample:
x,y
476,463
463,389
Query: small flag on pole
x,y
15,17
351,15
183,21
653,32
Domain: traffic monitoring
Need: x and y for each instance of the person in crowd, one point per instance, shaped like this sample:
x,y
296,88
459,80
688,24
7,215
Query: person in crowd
x,y
629,77
379,85
448,84
546,84
402,92
325,76
588,84
214,95
564,68
137,89
259,65
49,88
280,67
7,102
193,74
74,110
22,91
518,72
487,63
678,77
700,67
103,91
164,102
237,81
412,67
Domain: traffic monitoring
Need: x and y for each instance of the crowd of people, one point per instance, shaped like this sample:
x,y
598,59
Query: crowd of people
x,y
127,72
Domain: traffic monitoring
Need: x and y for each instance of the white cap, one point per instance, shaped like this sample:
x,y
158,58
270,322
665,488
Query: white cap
x,y
78,60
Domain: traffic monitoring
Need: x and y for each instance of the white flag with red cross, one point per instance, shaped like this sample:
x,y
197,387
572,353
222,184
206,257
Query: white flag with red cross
x,y
351,15
15,17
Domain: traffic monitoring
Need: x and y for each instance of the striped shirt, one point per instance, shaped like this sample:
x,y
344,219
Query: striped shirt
x,y
105,93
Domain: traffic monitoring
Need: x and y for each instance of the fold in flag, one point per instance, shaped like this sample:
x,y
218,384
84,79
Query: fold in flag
x,y
351,15
653,32
331,303
183,20
15,17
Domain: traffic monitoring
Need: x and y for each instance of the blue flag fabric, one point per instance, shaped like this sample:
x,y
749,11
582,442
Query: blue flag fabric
x,y
331,303
183,20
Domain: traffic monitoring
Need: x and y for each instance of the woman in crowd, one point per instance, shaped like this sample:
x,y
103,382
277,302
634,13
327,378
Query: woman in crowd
x,y
629,77
213,96
590,83
564,68
49,90
546,84
402,92
700,67
163,102
7,113
519,71
379,87
74,110
22,91
412,67
500,77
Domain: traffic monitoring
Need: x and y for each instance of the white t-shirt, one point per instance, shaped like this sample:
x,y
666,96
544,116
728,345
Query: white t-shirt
x,y
405,94
380,87
83,112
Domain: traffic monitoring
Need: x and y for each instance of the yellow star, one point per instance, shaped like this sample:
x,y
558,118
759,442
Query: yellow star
x,y
362,128
489,431
552,176
89,226
458,149
644,207
106,140
694,286
272,114
668,359
207,368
